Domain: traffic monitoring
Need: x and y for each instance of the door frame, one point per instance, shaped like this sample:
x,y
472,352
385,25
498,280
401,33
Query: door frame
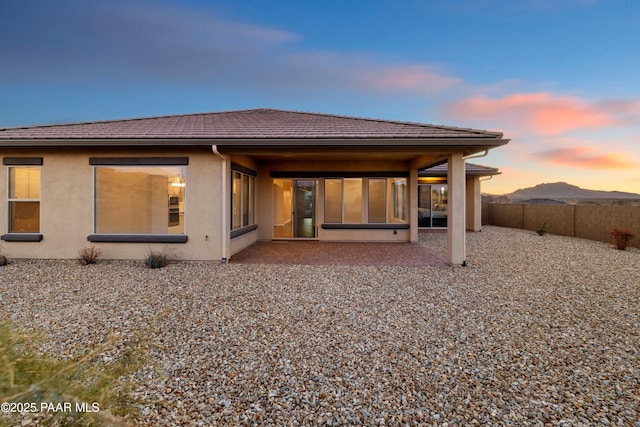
x,y
291,216
431,204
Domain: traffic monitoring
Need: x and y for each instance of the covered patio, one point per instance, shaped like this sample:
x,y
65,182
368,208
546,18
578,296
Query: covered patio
x,y
336,179
304,252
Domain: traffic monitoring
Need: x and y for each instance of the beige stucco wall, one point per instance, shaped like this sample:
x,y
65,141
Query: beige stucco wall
x,y
365,235
244,241
67,204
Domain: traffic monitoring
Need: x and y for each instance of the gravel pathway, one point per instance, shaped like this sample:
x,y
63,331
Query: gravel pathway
x,y
535,331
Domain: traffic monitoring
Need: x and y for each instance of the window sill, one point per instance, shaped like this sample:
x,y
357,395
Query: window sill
x,y
337,226
138,238
244,230
22,237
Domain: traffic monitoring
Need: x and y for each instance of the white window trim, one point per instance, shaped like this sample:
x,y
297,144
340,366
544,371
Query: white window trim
x,y
10,199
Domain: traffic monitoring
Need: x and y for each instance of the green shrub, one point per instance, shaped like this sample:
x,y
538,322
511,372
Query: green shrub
x,y
542,229
621,238
89,255
155,260
27,378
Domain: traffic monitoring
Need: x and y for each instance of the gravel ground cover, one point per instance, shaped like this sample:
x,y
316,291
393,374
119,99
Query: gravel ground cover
x,y
535,331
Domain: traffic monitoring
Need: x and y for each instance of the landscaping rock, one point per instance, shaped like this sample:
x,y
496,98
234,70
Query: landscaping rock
x,y
533,331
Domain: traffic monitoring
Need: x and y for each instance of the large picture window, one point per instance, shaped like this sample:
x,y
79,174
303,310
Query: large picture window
x,y
242,200
24,199
345,202
333,200
140,199
398,200
352,201
377,200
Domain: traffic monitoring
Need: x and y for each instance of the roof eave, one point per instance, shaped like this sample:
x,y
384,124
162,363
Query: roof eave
x,y
103,142
360,141
480,141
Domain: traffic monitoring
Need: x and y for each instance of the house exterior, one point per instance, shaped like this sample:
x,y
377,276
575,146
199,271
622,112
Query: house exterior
x,y
433,195
205,186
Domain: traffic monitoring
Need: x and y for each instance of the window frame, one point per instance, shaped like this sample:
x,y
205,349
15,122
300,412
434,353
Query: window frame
x,y
22,236
347,213
325,192
12,200
399,211
149,162
247,217
391,205
385,182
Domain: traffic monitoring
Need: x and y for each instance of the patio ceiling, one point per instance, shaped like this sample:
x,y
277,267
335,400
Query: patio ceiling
x,y
415,156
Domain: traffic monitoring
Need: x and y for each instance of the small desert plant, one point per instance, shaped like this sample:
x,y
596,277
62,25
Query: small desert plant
x,y
3,259
621,238
155,260
542,229
89,255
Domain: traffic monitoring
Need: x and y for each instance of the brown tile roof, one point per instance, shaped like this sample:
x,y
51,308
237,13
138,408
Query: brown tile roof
x,y
244,125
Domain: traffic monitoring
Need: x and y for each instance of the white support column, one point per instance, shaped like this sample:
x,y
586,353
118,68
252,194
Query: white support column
x,y
456,221
413,204
474,204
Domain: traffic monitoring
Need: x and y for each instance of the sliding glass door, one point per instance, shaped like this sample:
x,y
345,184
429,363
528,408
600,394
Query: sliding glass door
x,y
432,205
294,203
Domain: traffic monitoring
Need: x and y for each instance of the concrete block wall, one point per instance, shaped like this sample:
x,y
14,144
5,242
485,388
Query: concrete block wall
x,y
511,216
594,222
584,221
558,218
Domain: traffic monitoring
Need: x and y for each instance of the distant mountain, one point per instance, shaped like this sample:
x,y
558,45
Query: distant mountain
x,y
564,191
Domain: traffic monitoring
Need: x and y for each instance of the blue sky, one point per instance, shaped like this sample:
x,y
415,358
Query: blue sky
x,y
560,78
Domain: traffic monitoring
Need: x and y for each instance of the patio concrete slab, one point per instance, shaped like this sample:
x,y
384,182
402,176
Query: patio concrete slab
x,y
339,253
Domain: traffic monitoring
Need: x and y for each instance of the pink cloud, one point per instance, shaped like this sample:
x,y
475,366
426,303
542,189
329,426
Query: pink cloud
x,y
365,72
416,78
537,113
586,157
624,109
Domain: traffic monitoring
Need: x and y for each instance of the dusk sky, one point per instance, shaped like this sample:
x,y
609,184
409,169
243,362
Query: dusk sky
x,y
561,78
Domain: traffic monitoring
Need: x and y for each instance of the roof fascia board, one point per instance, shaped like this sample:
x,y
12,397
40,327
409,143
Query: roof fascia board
x,y
449,143
361,141
255,141
115,142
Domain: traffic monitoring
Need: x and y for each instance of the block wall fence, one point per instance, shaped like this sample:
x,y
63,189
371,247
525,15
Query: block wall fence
x,y
583,221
